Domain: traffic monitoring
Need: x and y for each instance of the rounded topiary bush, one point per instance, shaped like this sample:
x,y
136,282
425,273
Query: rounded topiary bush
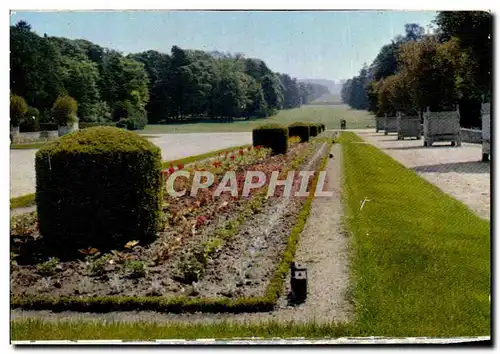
x,y
30,122
299,129
273,136
313,128
18,108
64,110
98,187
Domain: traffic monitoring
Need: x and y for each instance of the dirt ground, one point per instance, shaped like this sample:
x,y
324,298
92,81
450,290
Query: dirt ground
x,y
458,171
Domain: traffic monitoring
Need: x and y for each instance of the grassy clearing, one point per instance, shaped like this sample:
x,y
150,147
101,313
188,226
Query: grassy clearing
x,y
330,115
421,259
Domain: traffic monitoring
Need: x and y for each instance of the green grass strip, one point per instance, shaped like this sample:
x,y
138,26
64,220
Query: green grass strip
x,y
421,259
206,155
30,146
93,330
23,201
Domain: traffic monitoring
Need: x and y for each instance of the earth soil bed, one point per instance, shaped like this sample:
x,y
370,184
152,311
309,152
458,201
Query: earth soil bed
x,y
240,265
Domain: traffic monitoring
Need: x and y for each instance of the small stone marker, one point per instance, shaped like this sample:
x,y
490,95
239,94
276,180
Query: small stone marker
x,y
298,282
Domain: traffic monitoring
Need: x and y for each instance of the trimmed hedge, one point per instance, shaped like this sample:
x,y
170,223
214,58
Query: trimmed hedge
x,y
272,136
314,130
299,129
183,304
98,187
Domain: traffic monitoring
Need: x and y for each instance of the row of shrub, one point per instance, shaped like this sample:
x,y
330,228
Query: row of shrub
x,y
275,136
64,112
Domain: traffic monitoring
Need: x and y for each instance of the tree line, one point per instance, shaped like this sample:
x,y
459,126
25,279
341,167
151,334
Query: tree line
x,y
149,86
439,70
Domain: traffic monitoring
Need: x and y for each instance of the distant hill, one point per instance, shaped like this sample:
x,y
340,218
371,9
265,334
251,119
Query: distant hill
x,y
333,86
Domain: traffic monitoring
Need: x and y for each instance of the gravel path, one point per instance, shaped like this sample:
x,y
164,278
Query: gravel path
x,y
323,248
458,171
173,146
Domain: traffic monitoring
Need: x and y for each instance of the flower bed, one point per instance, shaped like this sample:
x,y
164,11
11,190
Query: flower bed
x,y
210,255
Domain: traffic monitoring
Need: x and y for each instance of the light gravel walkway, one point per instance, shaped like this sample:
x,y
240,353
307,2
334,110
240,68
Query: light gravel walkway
x,y
323,248
173,146
458,171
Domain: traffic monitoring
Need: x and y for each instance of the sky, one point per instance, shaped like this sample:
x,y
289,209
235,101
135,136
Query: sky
x,y
306,45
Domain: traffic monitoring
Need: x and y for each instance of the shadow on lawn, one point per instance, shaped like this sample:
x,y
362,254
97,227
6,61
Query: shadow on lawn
x,y
460,167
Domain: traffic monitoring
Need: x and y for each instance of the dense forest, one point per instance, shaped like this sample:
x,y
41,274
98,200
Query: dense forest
x,y
147,87
439,70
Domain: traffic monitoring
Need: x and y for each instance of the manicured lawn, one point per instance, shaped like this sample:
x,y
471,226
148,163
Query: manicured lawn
x,y
39,330
328,115
420,259
420,266
35,146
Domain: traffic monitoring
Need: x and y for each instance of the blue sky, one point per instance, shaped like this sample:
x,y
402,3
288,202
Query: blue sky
x,y
305,44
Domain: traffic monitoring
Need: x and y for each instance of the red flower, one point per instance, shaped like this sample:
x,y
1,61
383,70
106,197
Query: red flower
x,y
217,163
258,147
180,166
200,220
249,148
233,157
171,170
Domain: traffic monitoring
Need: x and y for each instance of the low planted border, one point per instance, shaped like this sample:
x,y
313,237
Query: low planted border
x,y
263,303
